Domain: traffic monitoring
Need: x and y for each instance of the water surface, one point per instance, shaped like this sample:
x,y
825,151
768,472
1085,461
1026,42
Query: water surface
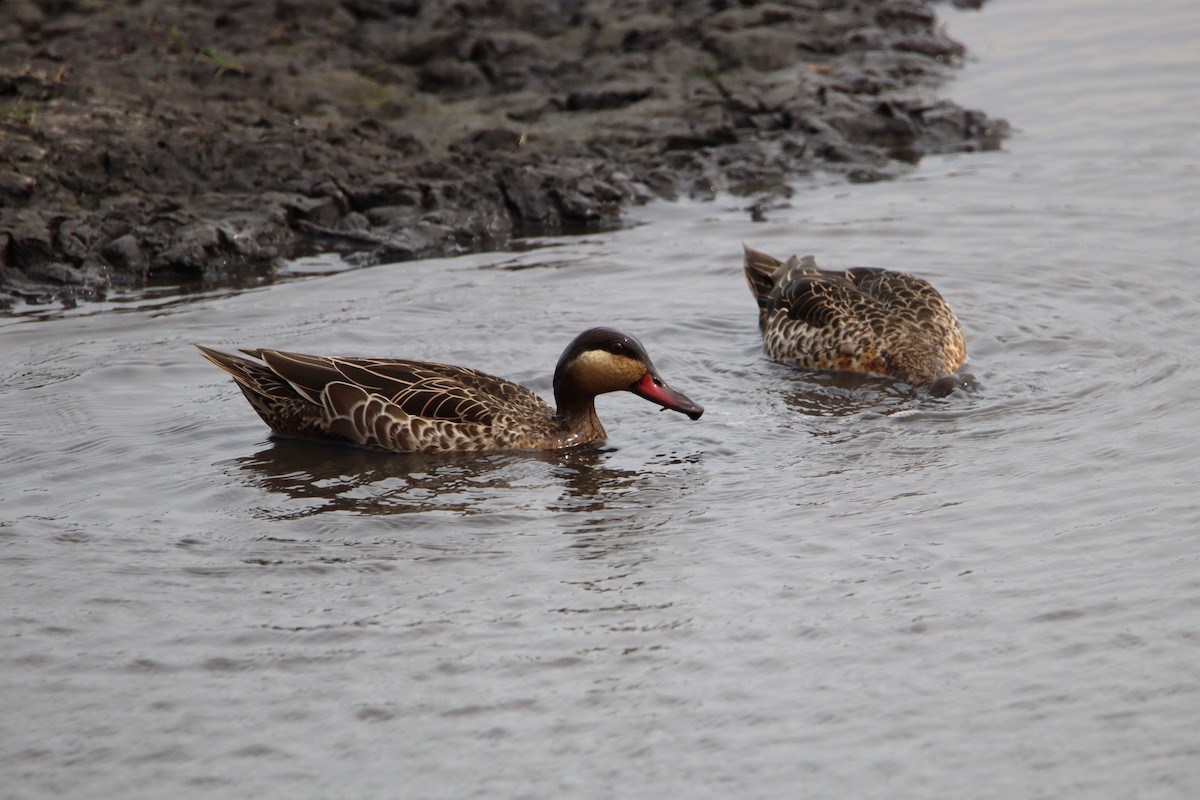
x,y
836,585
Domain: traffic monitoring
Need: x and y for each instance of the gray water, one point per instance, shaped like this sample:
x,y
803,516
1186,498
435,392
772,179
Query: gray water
x,y
822,589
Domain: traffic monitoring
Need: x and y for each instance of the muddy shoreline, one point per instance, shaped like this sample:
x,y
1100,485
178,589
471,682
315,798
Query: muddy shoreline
x,y
192,140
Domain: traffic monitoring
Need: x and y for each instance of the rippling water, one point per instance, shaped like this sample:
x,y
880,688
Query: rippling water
x,y
824,587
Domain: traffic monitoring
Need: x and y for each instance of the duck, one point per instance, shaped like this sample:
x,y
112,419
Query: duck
x,y
406,406
865,320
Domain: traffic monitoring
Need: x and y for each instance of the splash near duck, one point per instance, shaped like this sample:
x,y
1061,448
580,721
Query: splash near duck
x,y
865,320
423,407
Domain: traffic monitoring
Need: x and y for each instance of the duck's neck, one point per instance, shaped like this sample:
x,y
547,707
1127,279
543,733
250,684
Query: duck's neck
x,y
577,425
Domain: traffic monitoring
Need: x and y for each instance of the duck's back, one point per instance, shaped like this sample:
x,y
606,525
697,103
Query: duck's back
x,y
865,320
390,404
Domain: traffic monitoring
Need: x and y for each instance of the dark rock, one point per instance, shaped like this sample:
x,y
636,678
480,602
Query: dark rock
x,y
382,9
383,190
612,96
125,253
764,50
491,140
323,210
16,186
30,241
885,127
934,46
16,282
353,221
641,33
58,272
909,16
524,192
191,249
412,127
77,238
412,47
693,140
388,216
450,77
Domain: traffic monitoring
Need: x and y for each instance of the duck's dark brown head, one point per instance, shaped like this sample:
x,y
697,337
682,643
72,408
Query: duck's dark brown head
x,y
604,360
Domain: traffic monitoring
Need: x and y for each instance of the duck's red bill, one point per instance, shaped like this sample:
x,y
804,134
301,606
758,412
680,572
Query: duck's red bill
x,y
655,389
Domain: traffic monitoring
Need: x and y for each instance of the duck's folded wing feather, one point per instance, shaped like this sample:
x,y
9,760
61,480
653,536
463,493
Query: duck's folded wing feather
x,y
307,375
420,389
820,300
371,420
436,391
893,288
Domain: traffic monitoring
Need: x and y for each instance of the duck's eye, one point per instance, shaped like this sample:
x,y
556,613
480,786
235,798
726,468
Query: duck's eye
x,y
618,349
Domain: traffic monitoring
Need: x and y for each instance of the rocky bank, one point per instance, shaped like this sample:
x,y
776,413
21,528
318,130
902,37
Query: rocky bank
x,y
149,139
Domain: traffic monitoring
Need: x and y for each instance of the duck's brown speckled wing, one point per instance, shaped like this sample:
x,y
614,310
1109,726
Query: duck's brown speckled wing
x,y
867,320
821,320
400,405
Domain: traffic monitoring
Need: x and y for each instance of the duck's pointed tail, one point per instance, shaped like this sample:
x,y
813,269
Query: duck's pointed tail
x,y
760,272
254,377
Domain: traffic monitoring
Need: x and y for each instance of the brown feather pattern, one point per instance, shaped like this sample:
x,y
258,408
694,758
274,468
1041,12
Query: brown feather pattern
x,y
864,319
418,406
389,404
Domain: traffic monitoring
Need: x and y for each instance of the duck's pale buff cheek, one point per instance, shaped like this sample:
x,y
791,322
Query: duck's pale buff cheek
x,y
599,371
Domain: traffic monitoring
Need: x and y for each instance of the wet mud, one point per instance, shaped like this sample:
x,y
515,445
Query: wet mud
x,y
194,141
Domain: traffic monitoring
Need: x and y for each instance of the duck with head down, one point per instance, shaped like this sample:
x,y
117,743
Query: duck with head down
x,y
418,406
863,319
